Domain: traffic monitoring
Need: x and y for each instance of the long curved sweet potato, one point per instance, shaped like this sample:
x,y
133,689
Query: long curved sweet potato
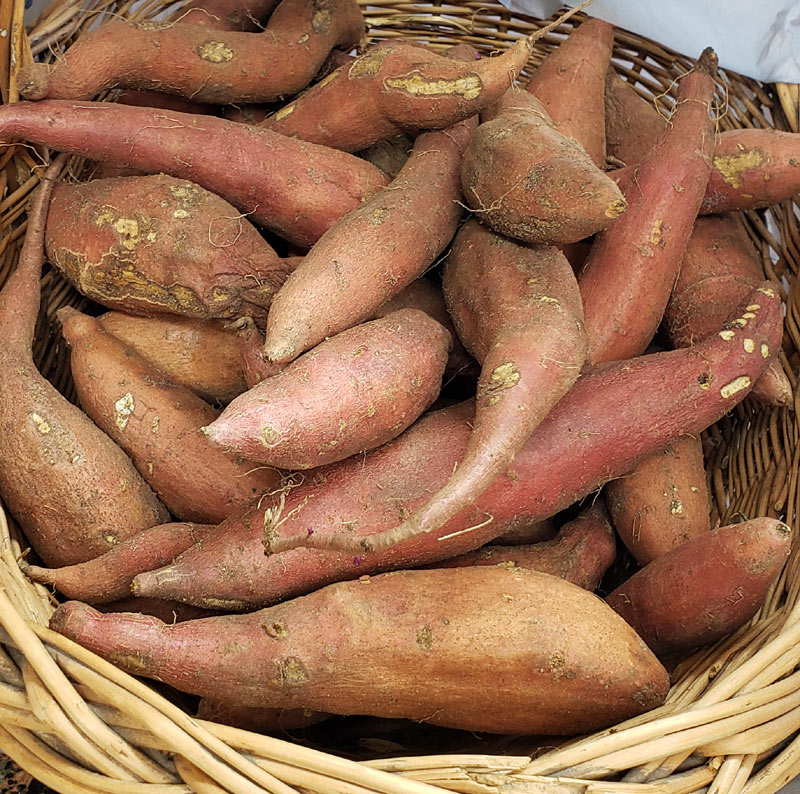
x,y
73,491
295,188
156,244
594,434
351,393
542,655
216,66
158,424
373,251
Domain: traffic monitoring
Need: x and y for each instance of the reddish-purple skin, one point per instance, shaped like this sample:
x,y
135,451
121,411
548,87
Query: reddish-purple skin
x,y
157,422
374,251
351,393
214,66
570,83
705,588
73,491
628,276
612,418
295,188
108,577
538,654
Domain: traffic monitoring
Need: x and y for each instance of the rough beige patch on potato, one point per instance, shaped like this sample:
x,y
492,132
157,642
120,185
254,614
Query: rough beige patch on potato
x,y
752,307
106,216
123,408
764,350
215,52
129,229
732,167
468,86
655,233
727,335
748,315
735,386
768,291
425,638
749,345
378,216
42,425
184,192
284,112
290,671
616,208
367,65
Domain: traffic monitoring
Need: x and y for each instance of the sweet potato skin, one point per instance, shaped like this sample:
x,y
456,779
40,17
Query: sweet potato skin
x,y
543,655
705,588
595,433
158,424
633,125
383,373
664,502
295,188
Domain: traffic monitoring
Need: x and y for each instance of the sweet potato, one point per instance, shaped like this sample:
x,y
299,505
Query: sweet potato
x,y
108,577
192,61
527,180
518,310
198,354
158,424
704,588
594,434
719,267
540,654
570,83
251,355
373,251
662,503
73,491
294,188
170,612
628,276
390,156
351,393
580,553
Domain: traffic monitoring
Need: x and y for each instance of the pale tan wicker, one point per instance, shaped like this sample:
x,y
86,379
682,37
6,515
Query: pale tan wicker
x,y
732,718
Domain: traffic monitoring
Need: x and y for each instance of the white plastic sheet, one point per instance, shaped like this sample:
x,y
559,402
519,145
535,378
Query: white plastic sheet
x,y
757,38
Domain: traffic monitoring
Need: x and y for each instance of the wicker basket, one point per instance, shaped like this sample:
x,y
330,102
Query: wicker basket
x,y
80,725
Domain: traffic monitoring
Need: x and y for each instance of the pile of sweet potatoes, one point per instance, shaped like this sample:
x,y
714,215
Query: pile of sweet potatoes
x,y
396,425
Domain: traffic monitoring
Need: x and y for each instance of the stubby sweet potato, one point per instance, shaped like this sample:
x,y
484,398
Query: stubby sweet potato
x,y
351,393
570,83
628,276
194,62
527,180
373,251
198,354
540,655
73,491
594,434
294,188
158,424
662,503
704,588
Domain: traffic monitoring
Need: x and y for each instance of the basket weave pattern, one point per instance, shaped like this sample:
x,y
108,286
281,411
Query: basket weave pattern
x,y
731,720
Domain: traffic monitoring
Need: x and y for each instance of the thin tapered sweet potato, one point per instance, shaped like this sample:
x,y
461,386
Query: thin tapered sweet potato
x,y
73,491
662,503
214,66
158,424
381,374
704,588
152,245
108,577
581,552
542,655
373,251
527,180
518,310
594,434
295,188
570,83
628,275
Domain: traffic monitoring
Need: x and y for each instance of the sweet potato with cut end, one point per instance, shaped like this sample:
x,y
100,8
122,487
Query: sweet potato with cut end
x,y
580,553
381,375
704,588
373,251
198,354
108,577
527,180
570,83
158,424
543,655
73,491
215,66
594,434
260,720
719,267
628,276
294,188
518,310
662,503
